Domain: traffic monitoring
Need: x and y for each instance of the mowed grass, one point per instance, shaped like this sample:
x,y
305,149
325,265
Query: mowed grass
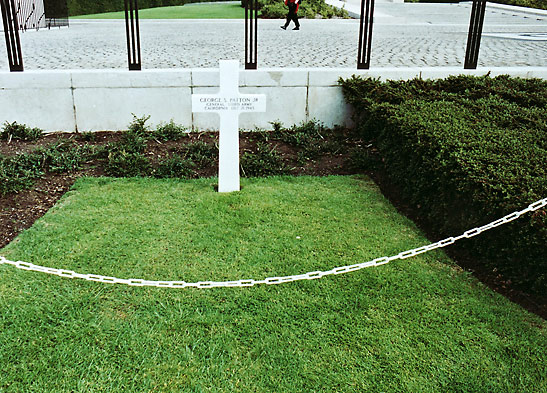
x,y
418,325
188,11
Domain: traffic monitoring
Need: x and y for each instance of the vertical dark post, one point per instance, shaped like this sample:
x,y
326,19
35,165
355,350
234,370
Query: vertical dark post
x,y
11,31
251,34
132,35
475,33
365,34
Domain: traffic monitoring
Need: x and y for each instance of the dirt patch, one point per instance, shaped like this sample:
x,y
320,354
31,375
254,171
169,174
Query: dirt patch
x,y
18,211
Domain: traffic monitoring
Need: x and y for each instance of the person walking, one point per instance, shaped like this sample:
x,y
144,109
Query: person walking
x,y
292,16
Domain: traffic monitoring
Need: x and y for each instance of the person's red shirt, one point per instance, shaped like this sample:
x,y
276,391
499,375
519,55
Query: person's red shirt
x,y
297,2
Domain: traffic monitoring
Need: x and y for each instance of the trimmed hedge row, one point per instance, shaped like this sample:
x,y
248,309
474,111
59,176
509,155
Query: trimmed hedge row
x,y
85,7
541,4
268,8
465,151
276,9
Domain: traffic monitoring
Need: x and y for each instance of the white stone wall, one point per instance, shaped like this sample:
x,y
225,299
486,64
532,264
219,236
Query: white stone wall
x,y
106,99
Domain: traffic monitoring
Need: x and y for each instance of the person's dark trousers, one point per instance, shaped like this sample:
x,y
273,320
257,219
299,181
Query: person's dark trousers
x,y
292,16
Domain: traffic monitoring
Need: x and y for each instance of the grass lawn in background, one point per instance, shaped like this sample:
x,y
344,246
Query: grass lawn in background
x,y
417,325
188,11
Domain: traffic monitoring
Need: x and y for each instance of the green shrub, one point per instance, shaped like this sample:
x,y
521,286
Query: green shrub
x,y
138,126
201,153
465,151
175,167
87,136
18,172
364,159
374,100
169,132
19,131
102,152
541,4
311,137
134,139
261,135
84,7
130,143
301,135
30,163
276,9
265,161
13,180
127,164
63,157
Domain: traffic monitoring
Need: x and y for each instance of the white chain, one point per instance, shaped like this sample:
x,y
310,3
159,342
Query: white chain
x,y
275,280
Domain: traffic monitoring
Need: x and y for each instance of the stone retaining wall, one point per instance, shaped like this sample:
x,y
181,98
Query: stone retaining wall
x,y
106,99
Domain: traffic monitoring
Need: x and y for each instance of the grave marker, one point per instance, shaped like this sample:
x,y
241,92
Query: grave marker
x,y
228,103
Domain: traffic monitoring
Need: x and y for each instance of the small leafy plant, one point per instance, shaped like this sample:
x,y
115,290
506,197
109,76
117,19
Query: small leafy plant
x,y
87,136
127,164
175,167
63,157
265,161
18,173
169,132
311,138
138,126
135,138
15,131
201,153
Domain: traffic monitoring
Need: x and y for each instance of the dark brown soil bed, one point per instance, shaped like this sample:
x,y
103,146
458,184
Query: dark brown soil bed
x,y
19,210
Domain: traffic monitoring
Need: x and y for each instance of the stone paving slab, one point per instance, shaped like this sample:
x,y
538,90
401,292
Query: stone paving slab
x,y
405,35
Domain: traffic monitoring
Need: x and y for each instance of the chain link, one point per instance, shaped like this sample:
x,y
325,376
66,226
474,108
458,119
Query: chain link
x,y
275,280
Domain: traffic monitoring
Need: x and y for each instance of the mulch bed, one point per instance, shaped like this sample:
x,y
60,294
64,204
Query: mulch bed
x,y
19,211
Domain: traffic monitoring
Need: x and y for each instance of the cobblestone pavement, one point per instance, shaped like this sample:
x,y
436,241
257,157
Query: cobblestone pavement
x,y
404,35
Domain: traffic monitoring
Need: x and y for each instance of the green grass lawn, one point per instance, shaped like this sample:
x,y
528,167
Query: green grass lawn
x,y
417,325
189,11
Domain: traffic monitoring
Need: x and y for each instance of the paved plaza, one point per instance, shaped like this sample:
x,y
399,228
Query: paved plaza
x,y
405,35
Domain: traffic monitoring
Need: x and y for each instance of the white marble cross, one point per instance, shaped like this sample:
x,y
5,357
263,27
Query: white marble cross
x,y
228,103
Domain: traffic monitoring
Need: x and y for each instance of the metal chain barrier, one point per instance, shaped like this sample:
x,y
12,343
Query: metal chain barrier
x,y
275,280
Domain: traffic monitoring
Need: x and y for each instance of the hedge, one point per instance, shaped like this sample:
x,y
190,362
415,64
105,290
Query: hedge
x,y
465,151
86,7
525,3
276,9
267,8
541,4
